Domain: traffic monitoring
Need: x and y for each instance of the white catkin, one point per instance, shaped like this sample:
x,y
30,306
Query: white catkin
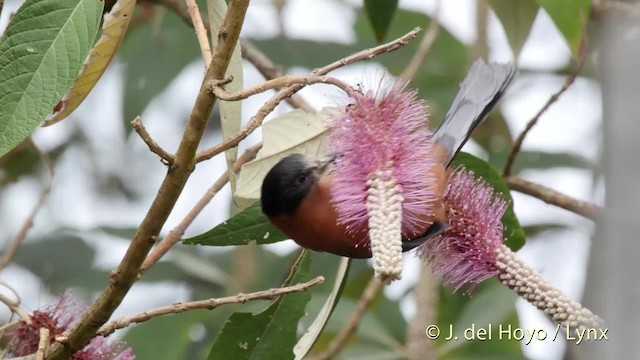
x,y
384,206
532,287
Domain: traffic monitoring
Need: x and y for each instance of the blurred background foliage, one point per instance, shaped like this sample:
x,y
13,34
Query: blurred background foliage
x,y
158,47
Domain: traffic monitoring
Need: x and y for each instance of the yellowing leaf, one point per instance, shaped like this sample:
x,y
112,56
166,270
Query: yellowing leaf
x,y
230,111
114,27
293,132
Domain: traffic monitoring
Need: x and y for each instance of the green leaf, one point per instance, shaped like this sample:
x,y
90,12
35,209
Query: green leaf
x,y
270,334
312,333
294,132
248,225
513,233
380,14
516,18
569,17
41,54
230,111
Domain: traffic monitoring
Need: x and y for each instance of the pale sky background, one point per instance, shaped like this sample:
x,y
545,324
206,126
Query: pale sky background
x,y
571,125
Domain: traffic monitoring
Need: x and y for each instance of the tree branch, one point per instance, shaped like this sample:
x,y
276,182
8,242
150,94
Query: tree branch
x,y
553,197
13,246
123,277
201,32
176,234
267,107
209,304
517,144
280,82
15,308
166,158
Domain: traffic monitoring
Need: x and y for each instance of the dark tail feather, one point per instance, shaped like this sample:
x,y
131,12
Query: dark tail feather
x,y
479,92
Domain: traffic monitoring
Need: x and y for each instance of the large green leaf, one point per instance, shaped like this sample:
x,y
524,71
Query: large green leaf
x,y
513,233
244,227
41,54
516,18
569,17
270,334
380,14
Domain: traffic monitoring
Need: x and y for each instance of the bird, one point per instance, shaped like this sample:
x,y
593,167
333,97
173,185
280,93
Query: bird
x,y
296,192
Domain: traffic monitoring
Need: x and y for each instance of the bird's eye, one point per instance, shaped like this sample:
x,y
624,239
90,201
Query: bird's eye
x,y
301,179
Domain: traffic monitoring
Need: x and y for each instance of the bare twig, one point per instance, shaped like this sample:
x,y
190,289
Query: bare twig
x,y
517,144
166,158
352,323
210,304
553,197
15,308
280,82
201,32
124,276
424,48
266,67
13,246
176,233
257,119
43,344
256,57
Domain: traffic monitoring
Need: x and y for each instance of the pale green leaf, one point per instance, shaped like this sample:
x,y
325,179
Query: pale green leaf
x,y
516,18
230,111
313,331
293,132
41,54
569,17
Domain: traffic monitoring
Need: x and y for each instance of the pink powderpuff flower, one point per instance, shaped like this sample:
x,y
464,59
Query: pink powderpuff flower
x,y
382,184
57,319
466,253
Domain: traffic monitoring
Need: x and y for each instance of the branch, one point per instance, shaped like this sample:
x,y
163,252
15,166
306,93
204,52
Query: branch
x,y
267,107
166,158
352,323
280,82
553,197
517,144
43,344
15,308
266,67
201,32
424,48
13,246
249,52
123,277
425,296
176,234
209,304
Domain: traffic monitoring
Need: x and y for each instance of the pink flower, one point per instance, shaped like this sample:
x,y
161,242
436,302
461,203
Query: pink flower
x,y
465,254
58,319
381,180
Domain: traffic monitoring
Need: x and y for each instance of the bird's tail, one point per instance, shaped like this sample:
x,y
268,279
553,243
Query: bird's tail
x,y
479,92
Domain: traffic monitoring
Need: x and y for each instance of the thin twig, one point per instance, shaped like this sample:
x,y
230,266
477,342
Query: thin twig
x,y
43,344
268,106
249,51
553,197
425,296
425,46
352,323
266,67
13,246
176,233
280,82
15,308
125,275
167,159
201,32
517,144
209,304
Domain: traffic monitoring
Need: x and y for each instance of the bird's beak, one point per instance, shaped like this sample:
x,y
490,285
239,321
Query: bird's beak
x,y
324,164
